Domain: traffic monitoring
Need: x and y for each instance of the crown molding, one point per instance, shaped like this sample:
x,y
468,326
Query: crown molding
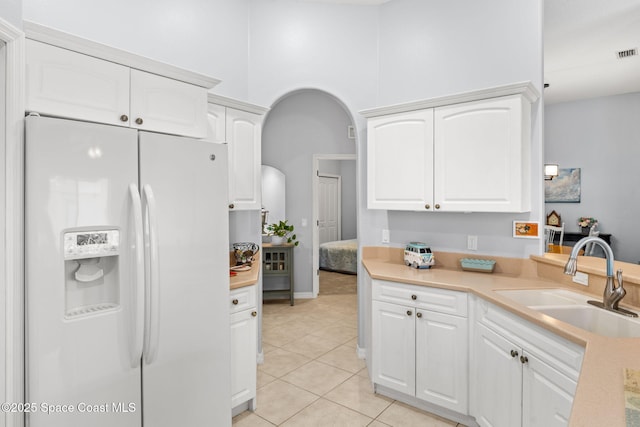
x,y
68,41
526,89
238,105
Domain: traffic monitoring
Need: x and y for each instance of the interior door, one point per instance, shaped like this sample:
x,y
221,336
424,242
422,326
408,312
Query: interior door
x,y
186,364
329,208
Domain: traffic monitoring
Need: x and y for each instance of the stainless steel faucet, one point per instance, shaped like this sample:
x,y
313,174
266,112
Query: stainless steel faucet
x,y
612,294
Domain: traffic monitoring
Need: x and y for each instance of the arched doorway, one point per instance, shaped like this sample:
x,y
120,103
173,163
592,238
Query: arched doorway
x,y
300,126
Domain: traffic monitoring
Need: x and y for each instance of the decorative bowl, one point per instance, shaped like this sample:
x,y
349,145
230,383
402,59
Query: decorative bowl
x,y
244,252
481,265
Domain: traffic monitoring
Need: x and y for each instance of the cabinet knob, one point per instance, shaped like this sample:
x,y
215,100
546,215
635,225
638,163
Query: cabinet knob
x,y
419,315
514,353
408,312
524,359
124,118
231,206
139,121
414,297
254,313
235,301
427,206
437,206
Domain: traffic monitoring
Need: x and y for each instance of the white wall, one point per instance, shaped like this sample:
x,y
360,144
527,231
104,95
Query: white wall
x,y
349,199
297,127
11,11
600,136
206,36
430,48
324,46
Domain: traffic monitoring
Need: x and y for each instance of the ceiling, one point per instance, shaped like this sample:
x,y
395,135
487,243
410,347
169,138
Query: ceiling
x,y
581,41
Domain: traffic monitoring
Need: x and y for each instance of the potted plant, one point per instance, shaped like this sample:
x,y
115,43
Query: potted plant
x,y
281,232
586,223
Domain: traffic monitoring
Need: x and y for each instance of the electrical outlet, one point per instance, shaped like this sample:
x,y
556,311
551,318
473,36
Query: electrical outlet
x,y
581,278
385,236
472,243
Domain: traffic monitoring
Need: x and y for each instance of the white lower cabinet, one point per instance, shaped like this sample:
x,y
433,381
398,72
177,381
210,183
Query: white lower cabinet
x,y
521,374
244,330
441,359
490,365
394,347
420,352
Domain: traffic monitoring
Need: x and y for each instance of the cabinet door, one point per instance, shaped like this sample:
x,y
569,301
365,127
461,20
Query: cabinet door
x,y
481,152
243,356
393,341
400,161
63,83
244,138
496,388
441,360
169,106
547,395
216,118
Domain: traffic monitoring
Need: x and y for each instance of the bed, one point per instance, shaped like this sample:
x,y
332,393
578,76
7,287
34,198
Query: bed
x,y
340,256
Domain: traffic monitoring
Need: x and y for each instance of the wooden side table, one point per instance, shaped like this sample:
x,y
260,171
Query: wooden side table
x,y
277,261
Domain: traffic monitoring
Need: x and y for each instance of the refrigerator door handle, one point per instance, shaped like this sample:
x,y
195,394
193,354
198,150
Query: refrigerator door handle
x,y
152,282
138,304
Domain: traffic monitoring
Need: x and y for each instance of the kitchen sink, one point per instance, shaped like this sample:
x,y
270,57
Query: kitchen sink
x,y
544,297
596,320
572,308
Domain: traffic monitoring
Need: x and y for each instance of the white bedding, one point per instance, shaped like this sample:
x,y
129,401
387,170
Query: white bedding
x,y
340,255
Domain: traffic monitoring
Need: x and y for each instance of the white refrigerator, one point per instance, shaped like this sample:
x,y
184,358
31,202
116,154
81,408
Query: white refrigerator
x,y
127,280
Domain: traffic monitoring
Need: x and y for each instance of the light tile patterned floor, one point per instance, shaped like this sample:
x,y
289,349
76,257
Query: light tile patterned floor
x,y
312,376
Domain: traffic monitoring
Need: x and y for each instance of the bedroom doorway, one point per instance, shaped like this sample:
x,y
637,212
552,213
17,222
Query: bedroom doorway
x,y
334,221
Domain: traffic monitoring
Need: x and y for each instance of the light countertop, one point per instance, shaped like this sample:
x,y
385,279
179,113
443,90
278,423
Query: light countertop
x,y
245,278
599,398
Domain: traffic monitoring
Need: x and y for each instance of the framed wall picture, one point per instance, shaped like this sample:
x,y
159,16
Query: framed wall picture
x,y
526,229
564,188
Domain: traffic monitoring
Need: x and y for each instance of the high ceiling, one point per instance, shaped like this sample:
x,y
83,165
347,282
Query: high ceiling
x,y
581,41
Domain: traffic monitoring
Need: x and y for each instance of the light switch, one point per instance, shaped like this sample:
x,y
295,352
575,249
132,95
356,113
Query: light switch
x,y
385,236
472,243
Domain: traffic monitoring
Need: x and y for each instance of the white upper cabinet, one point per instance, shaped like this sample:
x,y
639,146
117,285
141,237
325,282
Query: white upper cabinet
x,y
216,116
462,153
482,156
166,105
65,83
244,132
400,161
239,125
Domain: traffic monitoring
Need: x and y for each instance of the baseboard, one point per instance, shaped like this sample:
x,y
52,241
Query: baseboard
x,y
303,295
361,352
467,420
260,358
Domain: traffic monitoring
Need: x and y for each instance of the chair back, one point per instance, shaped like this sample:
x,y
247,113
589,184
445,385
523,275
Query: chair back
x,y
590,247
550,232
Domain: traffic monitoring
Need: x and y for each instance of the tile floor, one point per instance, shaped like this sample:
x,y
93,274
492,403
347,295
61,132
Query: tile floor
x,y
311,375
